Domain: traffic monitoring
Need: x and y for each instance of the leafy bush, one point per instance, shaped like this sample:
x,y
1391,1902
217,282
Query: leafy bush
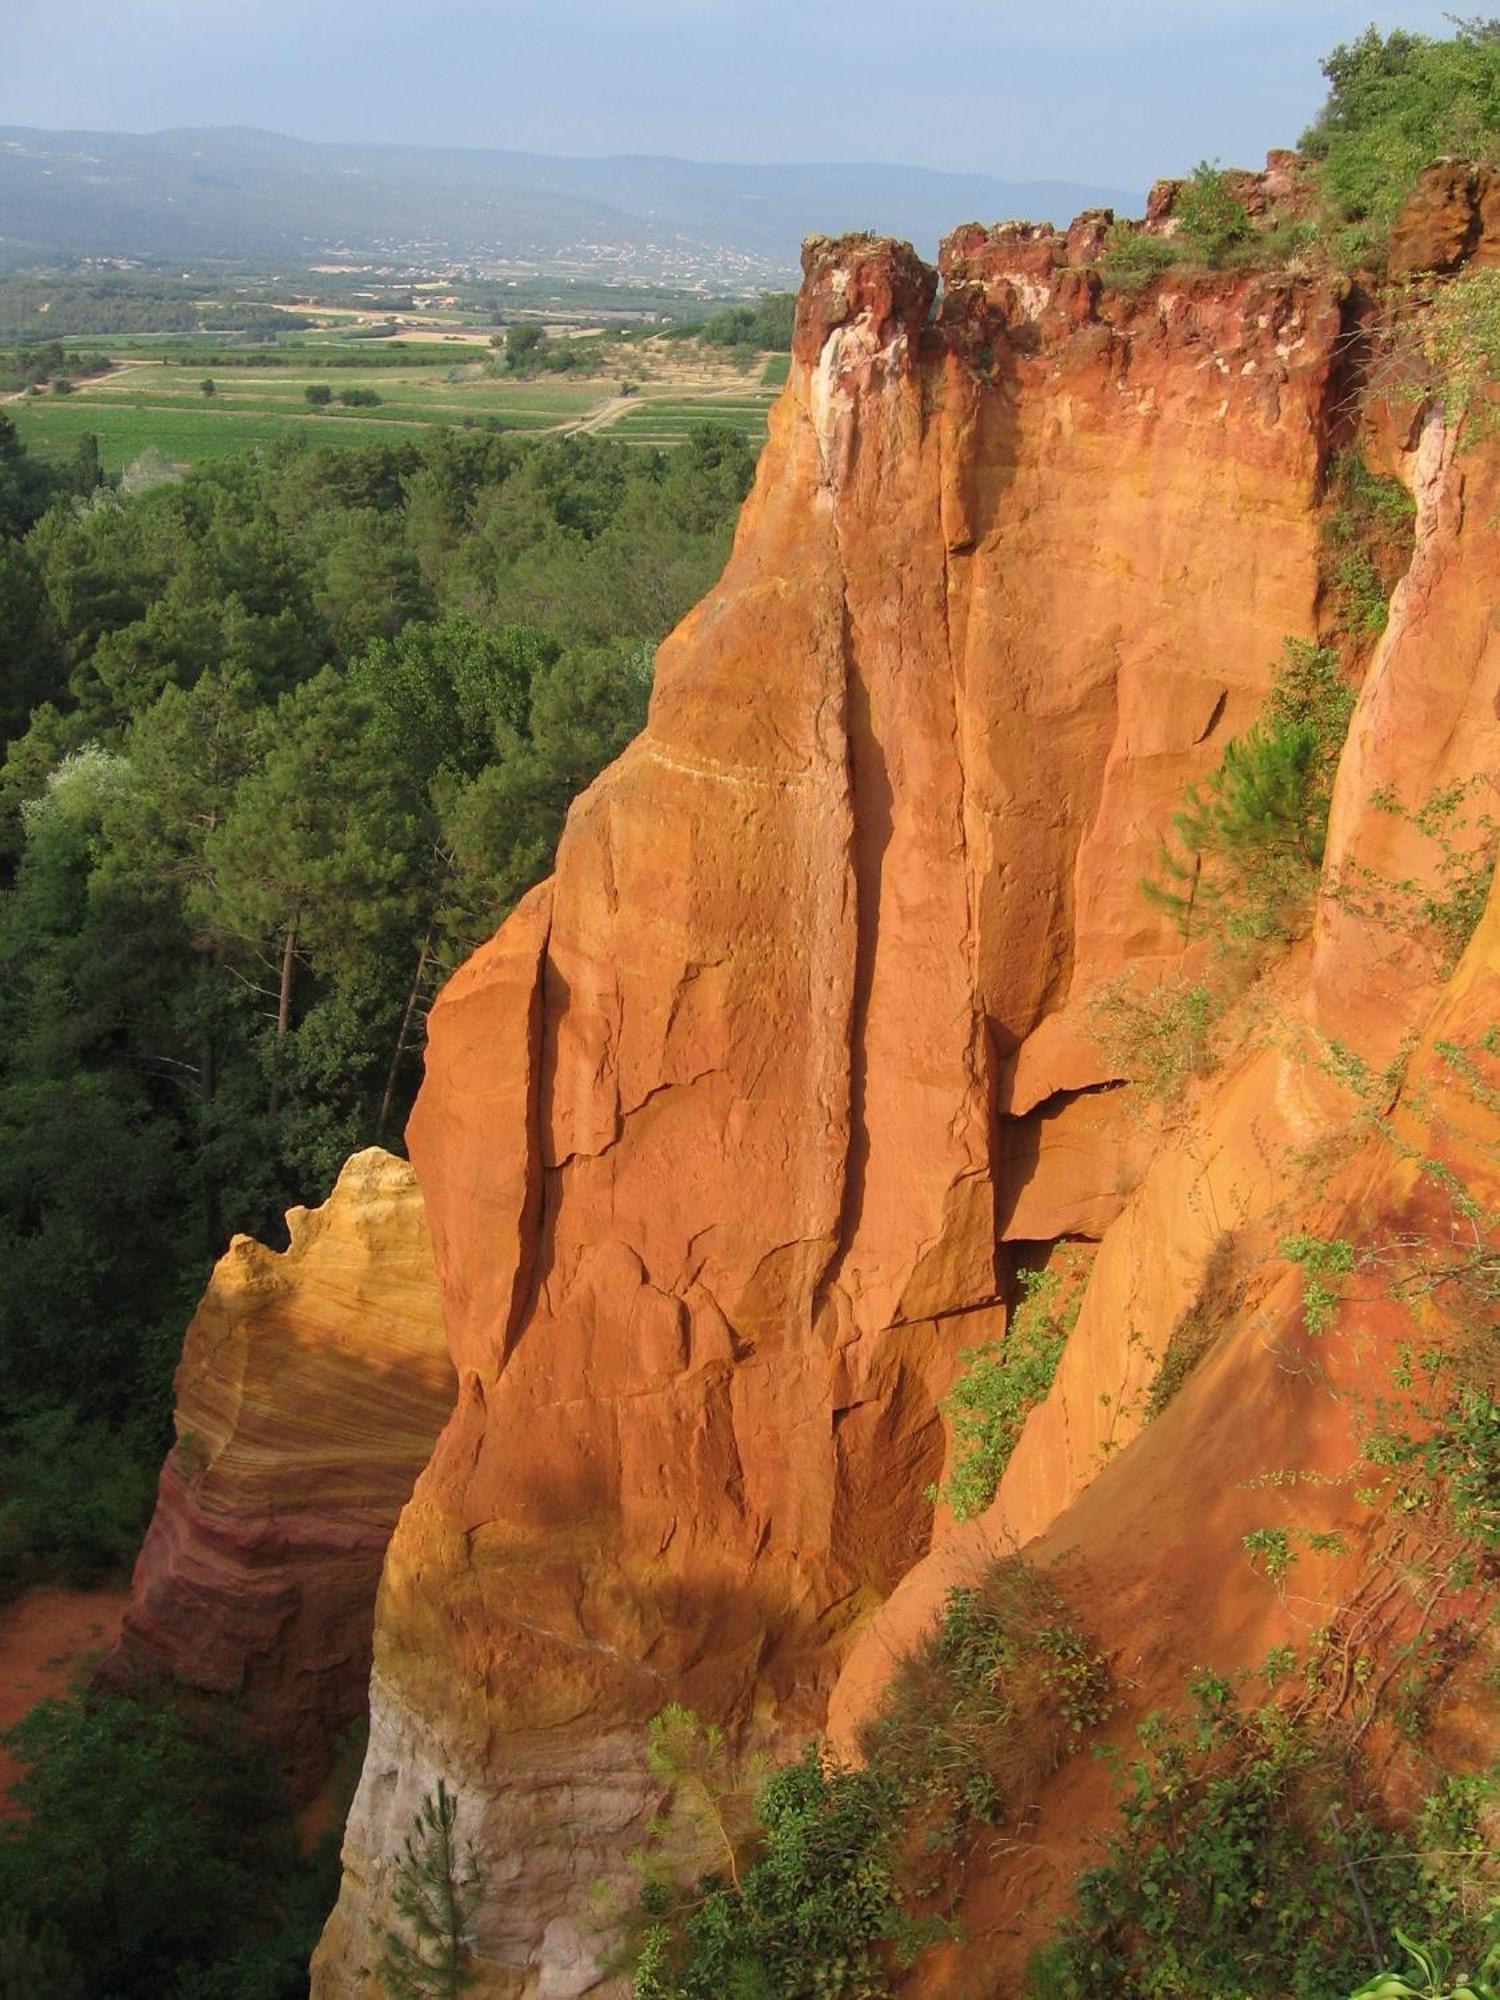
x,y
810,1917
814,1900
1213,221
1000,1384
996,1698
1248,1861
1157,1037
1397,101
1132,256
1446,903
1441,343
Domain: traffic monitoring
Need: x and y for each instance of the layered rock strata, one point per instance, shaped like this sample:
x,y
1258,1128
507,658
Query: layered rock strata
x,y
312,1386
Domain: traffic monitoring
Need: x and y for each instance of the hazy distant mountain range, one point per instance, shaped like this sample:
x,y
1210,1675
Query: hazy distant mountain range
x,y
255,195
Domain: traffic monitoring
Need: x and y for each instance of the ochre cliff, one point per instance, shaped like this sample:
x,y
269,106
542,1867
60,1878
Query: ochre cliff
x,y
312,1385
730,1136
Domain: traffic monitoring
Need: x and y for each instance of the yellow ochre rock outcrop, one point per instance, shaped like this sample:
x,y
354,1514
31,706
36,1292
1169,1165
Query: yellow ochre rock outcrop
x,y
312,1386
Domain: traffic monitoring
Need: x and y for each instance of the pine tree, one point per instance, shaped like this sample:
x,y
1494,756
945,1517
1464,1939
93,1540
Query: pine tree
x,y
1250,838
436,1892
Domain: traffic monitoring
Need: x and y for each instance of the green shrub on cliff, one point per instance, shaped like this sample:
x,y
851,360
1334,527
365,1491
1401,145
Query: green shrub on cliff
x,y
1367,533
1249,839
1443,347
999,1385
1252,1858
818,1899
1212,220
1396,102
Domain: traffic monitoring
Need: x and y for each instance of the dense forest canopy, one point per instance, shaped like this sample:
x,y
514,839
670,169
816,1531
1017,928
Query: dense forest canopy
x,y
284,739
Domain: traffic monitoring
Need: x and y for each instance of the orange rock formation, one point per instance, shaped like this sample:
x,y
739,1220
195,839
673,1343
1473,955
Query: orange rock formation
x,y
313,1382
726,1136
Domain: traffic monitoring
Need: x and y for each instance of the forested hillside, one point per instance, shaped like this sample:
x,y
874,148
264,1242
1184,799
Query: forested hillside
x,y
284,738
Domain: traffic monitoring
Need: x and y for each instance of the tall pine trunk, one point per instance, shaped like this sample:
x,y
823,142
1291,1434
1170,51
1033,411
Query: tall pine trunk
x,y
393,1074
283,1010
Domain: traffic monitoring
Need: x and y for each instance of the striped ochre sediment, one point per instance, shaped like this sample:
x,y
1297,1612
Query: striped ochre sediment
x,y
313,1383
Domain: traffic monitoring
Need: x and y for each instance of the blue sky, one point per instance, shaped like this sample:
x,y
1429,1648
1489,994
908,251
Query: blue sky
x,y
1097,90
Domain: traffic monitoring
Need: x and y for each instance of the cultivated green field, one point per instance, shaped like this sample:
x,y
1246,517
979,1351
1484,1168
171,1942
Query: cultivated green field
x,y
183,436
152,402
666,420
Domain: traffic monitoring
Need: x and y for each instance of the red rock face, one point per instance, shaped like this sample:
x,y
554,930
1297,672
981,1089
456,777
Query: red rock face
x,y
1450,219
312,1386
720,1137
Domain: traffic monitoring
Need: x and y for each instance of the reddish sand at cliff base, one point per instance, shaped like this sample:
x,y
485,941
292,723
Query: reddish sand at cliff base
x,y
49,1637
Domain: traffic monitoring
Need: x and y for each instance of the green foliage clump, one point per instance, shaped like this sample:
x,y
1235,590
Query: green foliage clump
x,y
811,1896
1442,1458
436,1893
1321,1258
1212,221
75,1495
810,1917
1451,350
1001,1693
525,343
1445,903
767,324
1000,1384
1132,256
1396,102
1250,838
1214,231
1429,1440
153,1859
1251,1860
1158,1037
1271,1550
1367,538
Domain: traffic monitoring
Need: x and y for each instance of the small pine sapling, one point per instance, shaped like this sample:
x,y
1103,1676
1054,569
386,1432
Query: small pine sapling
x,y
436,1892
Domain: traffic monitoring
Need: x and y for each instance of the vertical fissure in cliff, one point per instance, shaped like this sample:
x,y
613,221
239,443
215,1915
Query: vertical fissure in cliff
x,y
541,1196
871,803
